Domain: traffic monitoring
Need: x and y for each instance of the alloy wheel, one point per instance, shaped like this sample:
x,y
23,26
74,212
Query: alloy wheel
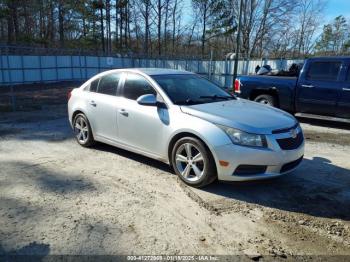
x,y
81,130
190,162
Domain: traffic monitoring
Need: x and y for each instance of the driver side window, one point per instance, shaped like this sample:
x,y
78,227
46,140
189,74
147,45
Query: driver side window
x,y
136,86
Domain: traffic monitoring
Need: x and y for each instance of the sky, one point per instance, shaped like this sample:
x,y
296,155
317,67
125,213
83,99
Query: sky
x,y
335,8
332,9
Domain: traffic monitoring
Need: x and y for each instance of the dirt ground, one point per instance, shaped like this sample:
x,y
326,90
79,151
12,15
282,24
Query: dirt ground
x,y
34,96
59,198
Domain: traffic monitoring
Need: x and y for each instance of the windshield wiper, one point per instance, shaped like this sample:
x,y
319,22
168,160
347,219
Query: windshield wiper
x,y
215,97
187,102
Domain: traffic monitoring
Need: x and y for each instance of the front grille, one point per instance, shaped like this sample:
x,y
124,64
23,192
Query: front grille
x,y
291,165
244,170
291,143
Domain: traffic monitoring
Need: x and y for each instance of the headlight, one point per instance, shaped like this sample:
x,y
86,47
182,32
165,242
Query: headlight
x,y
242,138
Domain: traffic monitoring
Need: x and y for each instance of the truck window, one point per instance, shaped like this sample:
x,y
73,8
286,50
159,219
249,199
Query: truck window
x,y
348,75
325,71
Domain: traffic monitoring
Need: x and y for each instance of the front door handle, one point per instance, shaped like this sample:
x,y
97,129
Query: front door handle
x,y
123,112
92,102
346,89
308,86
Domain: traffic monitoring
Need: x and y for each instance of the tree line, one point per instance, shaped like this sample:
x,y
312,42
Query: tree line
x,y
270,28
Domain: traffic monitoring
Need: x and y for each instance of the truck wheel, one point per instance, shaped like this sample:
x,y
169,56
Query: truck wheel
x,y
266,100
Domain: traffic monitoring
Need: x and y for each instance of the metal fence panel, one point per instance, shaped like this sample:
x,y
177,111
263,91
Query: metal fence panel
x,y
19,69
49,74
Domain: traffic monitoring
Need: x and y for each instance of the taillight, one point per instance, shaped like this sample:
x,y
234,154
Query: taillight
x,y
69,95
237,86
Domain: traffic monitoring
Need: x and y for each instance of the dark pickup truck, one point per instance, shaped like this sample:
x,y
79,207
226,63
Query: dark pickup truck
x,y
322,88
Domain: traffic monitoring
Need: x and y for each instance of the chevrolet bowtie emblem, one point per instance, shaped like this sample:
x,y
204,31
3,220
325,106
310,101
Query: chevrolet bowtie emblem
x,y
293,133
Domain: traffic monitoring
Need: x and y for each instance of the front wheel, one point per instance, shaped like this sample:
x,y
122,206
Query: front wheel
x,y
193,163
266,100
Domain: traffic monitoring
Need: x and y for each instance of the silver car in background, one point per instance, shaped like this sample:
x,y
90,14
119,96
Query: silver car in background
x,y
184,120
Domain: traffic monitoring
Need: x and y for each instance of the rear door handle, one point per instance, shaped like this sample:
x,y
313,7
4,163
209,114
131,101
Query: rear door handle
x,y
92,102
346,89
123,112
308,86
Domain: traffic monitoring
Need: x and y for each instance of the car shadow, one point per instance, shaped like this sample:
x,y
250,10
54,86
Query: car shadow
x,y
317,188
32,252
133,156
47,179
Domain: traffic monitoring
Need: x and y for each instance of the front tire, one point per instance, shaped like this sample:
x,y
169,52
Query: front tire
x,y
266,100
193,163
82,130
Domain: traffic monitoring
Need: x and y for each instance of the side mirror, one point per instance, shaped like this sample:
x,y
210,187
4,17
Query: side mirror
x,y
147,100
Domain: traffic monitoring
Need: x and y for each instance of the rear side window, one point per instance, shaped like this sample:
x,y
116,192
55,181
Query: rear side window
x,y
108,84
136,86
326,71
93,85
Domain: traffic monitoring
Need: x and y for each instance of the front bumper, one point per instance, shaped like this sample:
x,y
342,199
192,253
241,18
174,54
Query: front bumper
x,y
276,160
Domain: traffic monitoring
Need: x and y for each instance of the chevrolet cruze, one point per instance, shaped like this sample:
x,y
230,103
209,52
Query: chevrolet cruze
x,y
184,120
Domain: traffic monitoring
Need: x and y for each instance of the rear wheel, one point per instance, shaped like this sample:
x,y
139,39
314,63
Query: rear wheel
x,y
266,100
193,163
82,130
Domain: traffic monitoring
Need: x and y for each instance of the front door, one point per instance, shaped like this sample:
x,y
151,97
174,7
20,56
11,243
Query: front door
x,y
318,90
139,126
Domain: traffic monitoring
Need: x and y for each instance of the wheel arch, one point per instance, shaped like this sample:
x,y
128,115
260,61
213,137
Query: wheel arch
x,y
182,134
266,91
80,111
77,111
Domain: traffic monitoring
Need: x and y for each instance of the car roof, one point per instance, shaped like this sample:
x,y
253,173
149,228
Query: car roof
x,y
160,71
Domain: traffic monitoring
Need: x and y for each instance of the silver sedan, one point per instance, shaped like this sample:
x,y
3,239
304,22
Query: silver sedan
x,y
184,120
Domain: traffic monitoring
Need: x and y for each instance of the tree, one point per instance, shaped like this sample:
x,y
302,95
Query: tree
x,y
334,38
145,10
205,9
275,28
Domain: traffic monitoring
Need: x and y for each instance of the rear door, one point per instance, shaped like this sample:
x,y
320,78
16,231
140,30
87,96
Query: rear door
x,y
344,95
318,87
103,106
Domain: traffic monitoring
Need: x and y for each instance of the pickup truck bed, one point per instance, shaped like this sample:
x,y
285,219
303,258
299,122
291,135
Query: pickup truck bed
x,y
282,89
322,88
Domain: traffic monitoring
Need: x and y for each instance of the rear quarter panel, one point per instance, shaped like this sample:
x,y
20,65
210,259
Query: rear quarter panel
x,y
283,87
77,103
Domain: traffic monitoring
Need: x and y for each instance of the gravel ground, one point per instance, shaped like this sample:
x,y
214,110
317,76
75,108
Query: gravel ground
x,y
59,198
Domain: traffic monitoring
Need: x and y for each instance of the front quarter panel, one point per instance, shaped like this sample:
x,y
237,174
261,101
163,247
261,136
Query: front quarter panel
x,y
211,134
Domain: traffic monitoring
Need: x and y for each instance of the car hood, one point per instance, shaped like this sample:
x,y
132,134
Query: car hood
x,y
242,114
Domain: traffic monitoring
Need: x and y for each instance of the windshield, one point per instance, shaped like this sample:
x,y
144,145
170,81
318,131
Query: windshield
x,y
191,89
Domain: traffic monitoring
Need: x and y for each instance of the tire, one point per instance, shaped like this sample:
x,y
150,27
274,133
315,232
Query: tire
x,y
82,131
196,169
266,100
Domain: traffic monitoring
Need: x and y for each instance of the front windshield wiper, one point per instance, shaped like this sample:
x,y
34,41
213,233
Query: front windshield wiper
x,y
188,101
215,97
